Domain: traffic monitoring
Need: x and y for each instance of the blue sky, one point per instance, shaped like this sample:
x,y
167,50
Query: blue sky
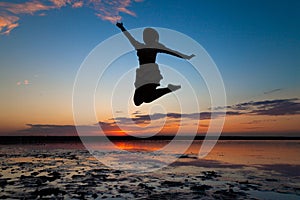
x,y
255,44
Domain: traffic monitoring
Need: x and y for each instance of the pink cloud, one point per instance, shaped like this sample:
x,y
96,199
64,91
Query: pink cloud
x,y
29,7
60,3
125,10
112,19
25,82
78,4
10,13
8,23
110,10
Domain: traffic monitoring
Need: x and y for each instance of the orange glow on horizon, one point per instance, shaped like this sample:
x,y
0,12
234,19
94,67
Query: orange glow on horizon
x,y
237,125
132,145
116,133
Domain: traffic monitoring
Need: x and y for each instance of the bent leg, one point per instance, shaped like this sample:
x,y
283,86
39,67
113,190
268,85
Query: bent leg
x,y
138,98
149,93
156,93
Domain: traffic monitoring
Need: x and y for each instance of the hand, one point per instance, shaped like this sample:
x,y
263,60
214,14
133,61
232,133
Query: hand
x,y
120,25
190,56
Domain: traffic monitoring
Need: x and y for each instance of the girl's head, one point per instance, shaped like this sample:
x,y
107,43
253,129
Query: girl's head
x,y
150,36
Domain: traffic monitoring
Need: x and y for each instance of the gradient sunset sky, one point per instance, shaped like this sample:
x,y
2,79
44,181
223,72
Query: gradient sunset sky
x,y
255,45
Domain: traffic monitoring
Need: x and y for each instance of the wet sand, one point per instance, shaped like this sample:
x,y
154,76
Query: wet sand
x,y
71,172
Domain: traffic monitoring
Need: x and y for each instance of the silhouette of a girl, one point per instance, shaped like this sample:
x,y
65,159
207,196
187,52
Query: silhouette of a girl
x,y
148,75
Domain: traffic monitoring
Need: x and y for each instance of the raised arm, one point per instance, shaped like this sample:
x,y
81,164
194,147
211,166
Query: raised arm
x,y
164,49
134,43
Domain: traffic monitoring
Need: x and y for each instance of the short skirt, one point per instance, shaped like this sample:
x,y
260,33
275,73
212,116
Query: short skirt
x,y
147,74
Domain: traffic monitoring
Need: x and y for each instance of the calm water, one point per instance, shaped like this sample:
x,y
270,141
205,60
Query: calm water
x,y
248,152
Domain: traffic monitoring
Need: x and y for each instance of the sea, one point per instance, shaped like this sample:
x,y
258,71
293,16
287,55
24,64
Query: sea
x,y
150,169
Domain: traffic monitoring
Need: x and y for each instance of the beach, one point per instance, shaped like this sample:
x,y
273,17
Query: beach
x,y
242,169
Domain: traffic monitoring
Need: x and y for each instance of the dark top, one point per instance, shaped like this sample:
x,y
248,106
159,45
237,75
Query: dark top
x,y
147,53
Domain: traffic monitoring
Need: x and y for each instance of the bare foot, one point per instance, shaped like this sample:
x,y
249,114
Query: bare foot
x,y
174,87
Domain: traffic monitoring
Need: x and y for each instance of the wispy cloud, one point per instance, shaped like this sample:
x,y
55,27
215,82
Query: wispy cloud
x,y
110,10
276,107
49,129
259,121
109,126
138,118
10,13
29,7
269,107
78,4
7,23
272,91
114,126
53,129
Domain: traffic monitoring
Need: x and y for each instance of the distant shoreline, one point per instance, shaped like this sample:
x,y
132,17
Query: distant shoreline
x,y
69,139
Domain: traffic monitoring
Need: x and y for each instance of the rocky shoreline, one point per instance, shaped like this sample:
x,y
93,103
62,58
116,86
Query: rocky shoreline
x,y
75,174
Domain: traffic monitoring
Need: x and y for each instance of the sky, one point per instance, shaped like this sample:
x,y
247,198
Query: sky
x,y
254,44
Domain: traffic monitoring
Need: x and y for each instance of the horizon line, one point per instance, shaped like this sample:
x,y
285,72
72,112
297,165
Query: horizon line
x,y
68,139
